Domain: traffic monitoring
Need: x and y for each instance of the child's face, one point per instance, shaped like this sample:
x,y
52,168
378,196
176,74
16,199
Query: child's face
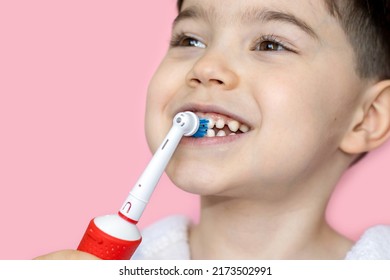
x,y
283,68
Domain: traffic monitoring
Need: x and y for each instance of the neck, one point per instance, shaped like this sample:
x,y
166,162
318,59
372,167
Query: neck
x,y
232,228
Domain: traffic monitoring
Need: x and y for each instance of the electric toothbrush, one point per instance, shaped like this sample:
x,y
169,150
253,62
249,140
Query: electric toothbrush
x,y
116,237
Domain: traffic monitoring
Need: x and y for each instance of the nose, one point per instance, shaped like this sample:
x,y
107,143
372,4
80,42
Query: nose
x,y
212,69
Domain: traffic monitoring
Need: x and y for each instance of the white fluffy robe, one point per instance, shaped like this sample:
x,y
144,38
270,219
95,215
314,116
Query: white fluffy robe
x,y
168,240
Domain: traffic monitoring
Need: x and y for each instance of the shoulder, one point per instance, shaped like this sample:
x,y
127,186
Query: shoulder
x,y
374,244
166,239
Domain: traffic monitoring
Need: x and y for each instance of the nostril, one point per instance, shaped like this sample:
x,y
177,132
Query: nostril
x,y
194,82
210,81
219,82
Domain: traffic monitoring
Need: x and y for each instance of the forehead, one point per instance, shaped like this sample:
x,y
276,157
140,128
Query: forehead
x,y
244,11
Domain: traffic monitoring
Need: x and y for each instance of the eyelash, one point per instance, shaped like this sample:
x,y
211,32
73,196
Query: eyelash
x,y
270,39
178,40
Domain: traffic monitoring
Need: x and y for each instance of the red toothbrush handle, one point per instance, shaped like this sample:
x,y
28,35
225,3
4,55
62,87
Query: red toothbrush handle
x,y
105,246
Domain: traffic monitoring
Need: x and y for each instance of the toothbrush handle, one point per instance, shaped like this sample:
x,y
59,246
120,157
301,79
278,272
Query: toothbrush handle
x,y
115,238
102,238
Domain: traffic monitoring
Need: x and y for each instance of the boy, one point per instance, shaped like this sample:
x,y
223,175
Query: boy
x,y
299,90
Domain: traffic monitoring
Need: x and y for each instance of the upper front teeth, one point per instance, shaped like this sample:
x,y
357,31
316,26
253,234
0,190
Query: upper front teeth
x,y
211,123
220,123
216,127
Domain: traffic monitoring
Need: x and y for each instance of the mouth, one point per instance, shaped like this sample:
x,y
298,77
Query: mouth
x,y
224,125
221,125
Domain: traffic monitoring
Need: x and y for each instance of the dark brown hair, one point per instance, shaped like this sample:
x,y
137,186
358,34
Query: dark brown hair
x,y
367,26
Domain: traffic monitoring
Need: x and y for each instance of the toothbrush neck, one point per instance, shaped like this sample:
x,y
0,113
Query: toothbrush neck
x,y
140,194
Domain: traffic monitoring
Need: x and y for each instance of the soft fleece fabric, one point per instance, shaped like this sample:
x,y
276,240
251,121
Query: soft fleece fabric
x,y
168,240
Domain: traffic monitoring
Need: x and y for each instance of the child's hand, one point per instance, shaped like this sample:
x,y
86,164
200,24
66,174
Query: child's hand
x,y
67,255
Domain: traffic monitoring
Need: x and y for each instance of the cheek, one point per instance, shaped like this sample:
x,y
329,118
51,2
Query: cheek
x,y
160,92
151,127
163,92
303,124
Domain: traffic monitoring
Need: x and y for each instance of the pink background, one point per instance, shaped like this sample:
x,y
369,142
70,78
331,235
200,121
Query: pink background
x,y
73,78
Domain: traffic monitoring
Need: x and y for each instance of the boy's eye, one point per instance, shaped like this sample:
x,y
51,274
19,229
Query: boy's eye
x,y
269,46
270,43
186,41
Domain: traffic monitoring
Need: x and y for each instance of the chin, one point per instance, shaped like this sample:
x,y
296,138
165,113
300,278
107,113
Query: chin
x,y
190,177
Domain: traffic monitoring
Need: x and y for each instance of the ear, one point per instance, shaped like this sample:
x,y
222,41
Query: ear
x,y
371,124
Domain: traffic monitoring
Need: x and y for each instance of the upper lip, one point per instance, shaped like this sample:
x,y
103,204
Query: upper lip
x,y
207,108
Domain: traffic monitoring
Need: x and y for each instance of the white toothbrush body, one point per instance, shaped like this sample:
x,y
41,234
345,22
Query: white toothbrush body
x,y
117,236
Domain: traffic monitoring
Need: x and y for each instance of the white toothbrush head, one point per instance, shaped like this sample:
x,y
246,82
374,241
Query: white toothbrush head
x,y
190,124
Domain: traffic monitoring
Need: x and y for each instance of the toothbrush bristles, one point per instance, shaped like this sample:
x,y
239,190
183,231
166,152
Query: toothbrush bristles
x,y
202,130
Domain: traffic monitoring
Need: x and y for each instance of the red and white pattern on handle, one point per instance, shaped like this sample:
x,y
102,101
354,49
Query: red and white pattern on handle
x,y
105,246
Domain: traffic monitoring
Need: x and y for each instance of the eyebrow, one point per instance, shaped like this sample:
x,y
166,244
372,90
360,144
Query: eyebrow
x,y
194,12
251,15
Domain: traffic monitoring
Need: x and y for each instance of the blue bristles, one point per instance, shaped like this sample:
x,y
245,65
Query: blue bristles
x,y
202,130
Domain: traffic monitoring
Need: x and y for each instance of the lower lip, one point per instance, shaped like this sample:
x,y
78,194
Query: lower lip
x,y
217,140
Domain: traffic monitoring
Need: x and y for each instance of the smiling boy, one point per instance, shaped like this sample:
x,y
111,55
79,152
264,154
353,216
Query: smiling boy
x,y
286,70
308,83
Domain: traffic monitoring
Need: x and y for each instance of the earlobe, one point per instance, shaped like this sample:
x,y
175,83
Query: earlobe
x,y
371,125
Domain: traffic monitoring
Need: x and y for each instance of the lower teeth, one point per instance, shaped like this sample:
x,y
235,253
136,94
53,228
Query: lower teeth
x,y
210,132
221,133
